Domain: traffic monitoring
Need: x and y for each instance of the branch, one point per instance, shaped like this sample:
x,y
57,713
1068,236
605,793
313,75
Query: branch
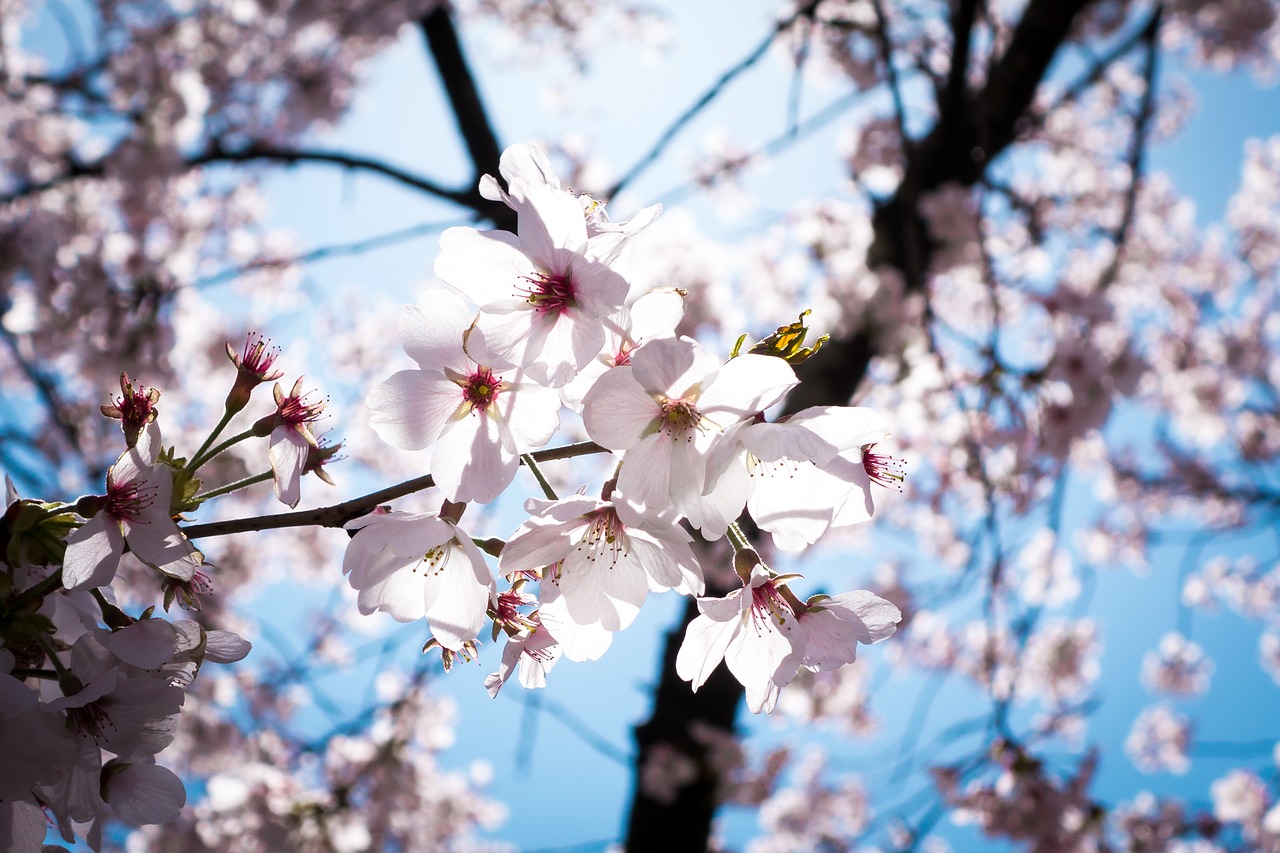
x,y
333,250
886,56
707,97
1137,147
337,515
469,112
217,153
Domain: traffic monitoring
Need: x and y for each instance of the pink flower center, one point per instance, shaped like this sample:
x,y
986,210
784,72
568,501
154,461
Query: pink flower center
x,y
128,500
768,603
888,471
258,356
481,388
508,610
549,292
296,409
679,417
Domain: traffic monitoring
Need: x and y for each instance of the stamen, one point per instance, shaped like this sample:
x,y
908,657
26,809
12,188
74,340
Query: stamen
x,y
605,536
548,292
888,471
481,388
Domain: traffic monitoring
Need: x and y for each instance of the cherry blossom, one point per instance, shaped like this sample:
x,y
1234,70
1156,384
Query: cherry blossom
x,y
420,565
134,511
666,410
764,635
603,568
541,295
478,419
292,442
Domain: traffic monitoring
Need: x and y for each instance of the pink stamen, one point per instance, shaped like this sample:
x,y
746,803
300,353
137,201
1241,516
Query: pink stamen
x,y
549,292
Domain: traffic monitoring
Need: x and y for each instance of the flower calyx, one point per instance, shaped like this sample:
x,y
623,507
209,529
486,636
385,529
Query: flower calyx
x,y
254,366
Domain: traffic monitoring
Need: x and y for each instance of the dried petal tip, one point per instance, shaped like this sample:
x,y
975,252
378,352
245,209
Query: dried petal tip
x,y
133,408
468,652
888,471
787,342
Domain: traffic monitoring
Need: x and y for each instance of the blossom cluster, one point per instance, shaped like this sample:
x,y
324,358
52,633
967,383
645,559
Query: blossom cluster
x,y
546,320
91,694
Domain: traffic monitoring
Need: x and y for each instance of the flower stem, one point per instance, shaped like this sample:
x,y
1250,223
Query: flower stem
x,y
40,590
527,459
737,538
231,487
217,430
202,457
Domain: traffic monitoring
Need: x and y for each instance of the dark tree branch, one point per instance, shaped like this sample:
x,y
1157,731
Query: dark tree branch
x,y
217,154
683,825
890,72
334,250
707,97
1137,147
962,20
468,109
289,156
337,515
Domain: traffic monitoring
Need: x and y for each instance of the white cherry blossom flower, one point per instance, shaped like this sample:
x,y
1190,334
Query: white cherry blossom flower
x,y
800,476
478,419
542,294
532,653
666,410
292,442
418,565
135,510
602,567
764,634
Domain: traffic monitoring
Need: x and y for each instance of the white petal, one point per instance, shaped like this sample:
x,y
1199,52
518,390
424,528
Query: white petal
x,y
144,793
483,266
288,452
457,595
644,492
146,644
93,553
431,331
746,385
705,642
411,408
469,462
617,412
551,220
656,314
531,413
578,642
674,367
539,542
225,647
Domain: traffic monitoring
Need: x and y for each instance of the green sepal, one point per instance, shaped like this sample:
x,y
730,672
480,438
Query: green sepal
x,y
31,536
